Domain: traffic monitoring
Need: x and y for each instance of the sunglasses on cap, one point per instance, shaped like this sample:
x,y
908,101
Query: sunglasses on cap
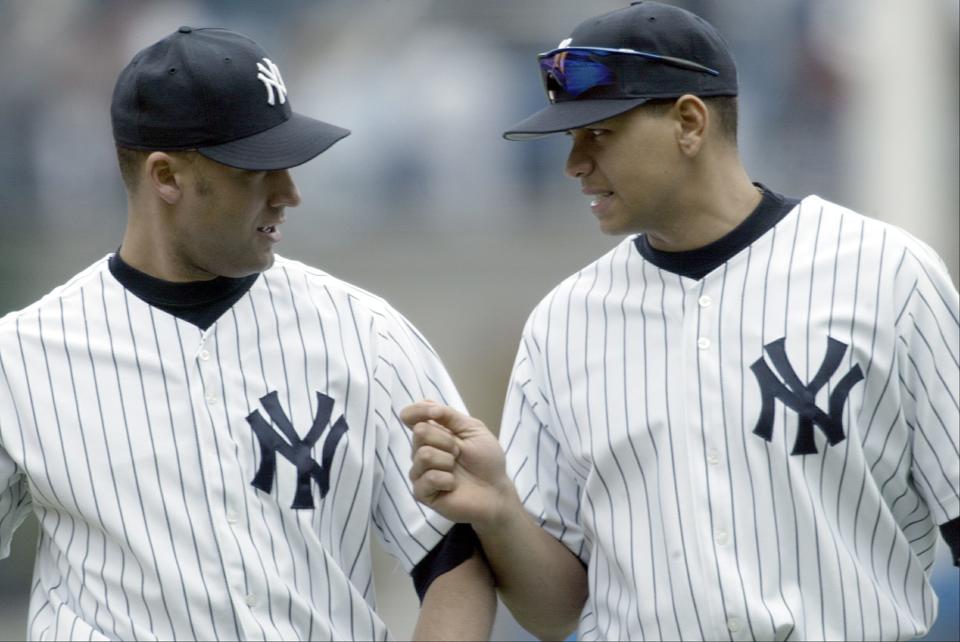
x,y
576,70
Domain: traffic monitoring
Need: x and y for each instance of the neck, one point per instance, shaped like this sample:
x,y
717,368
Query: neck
x,y
708,207
147,247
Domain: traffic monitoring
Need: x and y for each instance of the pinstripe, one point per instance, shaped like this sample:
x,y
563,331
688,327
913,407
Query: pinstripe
x,y
636,457
673,461
846,451
206,492
613,453
326,387
706,475
726,445
220,458
116,393
944,343
283,523
786,460
366,422
806,478
653,442
592,433
308,389
180,473
163,503
146,406
113,479
246,501
947,307
767,449
289,392
548,370
936,370
923,385
743,436
93,373
76,503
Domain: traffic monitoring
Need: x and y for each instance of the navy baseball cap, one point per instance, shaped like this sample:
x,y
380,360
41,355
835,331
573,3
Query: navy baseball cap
x,y
622,59
218,92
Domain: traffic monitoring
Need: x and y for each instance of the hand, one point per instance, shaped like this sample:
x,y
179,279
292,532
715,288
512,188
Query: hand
x,y
458,465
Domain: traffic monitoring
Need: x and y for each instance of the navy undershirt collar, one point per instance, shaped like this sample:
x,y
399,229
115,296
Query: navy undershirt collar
x,y
197,302
697,263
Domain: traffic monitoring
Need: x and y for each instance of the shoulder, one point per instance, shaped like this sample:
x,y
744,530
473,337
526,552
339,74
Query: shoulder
x,y
895,237
903,259
54,298
326,292
574,291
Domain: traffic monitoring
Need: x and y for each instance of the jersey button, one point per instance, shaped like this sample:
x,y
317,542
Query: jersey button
x,y
721,537
704,301
211,398
231,518
733,624
251,600
204,355
703,343
713,458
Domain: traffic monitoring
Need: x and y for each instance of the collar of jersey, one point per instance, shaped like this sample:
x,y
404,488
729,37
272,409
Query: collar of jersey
x,y
696,264
198,302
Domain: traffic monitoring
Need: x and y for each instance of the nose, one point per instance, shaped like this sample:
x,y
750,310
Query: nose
x,y
579,162
283,191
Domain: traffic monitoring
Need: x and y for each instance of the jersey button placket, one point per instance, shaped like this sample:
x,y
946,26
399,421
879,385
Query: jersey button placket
x,y
710,476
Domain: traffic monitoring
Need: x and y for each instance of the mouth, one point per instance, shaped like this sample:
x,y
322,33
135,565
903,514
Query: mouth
x,y
272,232
599,198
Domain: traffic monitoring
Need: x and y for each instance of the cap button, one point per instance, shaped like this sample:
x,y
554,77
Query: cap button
x,y
185,29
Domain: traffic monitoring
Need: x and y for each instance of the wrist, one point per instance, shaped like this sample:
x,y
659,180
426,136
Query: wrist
x,y
507,509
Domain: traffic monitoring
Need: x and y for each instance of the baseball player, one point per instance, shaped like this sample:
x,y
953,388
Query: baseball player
x,y
208,433
741,422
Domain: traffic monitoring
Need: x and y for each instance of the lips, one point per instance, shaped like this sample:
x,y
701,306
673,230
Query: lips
x,y
272,232
599,197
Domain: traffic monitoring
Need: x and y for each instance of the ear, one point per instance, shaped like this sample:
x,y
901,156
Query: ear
x,y
163,175
692,120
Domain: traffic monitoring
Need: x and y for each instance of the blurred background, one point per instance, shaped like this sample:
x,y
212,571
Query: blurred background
x,y
425,204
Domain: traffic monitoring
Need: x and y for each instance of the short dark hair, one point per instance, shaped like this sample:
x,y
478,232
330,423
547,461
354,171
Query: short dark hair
x,y
130,160
724,109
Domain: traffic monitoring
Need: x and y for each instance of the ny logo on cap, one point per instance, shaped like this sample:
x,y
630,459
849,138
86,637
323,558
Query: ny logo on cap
x,y
295,450
271,78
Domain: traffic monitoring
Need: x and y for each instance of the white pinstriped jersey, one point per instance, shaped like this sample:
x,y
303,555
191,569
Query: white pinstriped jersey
x,y
131,435
640,408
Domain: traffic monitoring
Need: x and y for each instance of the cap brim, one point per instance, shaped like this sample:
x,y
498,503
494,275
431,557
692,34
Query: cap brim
x,y
561,117
291,143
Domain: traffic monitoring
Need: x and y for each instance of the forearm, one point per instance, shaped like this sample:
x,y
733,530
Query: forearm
x,y
459,605
542,583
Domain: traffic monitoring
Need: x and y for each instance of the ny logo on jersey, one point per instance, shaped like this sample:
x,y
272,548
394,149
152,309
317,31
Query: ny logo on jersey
x,y
273,81
801,398
297,452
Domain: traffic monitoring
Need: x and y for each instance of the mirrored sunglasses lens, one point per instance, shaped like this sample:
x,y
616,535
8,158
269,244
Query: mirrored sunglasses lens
x,y
576,73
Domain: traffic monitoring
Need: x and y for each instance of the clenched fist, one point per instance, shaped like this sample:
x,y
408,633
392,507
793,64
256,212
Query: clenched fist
x,y
458,465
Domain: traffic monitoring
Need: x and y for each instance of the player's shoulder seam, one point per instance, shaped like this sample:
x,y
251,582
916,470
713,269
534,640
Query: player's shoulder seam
x,y
64,290
335,285
589,270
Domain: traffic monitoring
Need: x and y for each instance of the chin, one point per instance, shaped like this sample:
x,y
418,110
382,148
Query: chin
x,y
241,271
610,228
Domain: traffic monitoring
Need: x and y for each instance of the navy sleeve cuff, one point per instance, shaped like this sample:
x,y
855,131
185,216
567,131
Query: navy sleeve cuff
x,y
456,547
951,533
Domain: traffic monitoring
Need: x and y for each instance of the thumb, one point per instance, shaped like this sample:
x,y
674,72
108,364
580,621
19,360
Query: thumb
x,y
453,420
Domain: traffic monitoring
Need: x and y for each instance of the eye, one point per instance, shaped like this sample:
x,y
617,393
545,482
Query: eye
x,y
595,133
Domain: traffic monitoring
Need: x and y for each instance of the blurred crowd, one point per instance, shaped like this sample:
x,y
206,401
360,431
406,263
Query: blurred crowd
x,y
428,85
